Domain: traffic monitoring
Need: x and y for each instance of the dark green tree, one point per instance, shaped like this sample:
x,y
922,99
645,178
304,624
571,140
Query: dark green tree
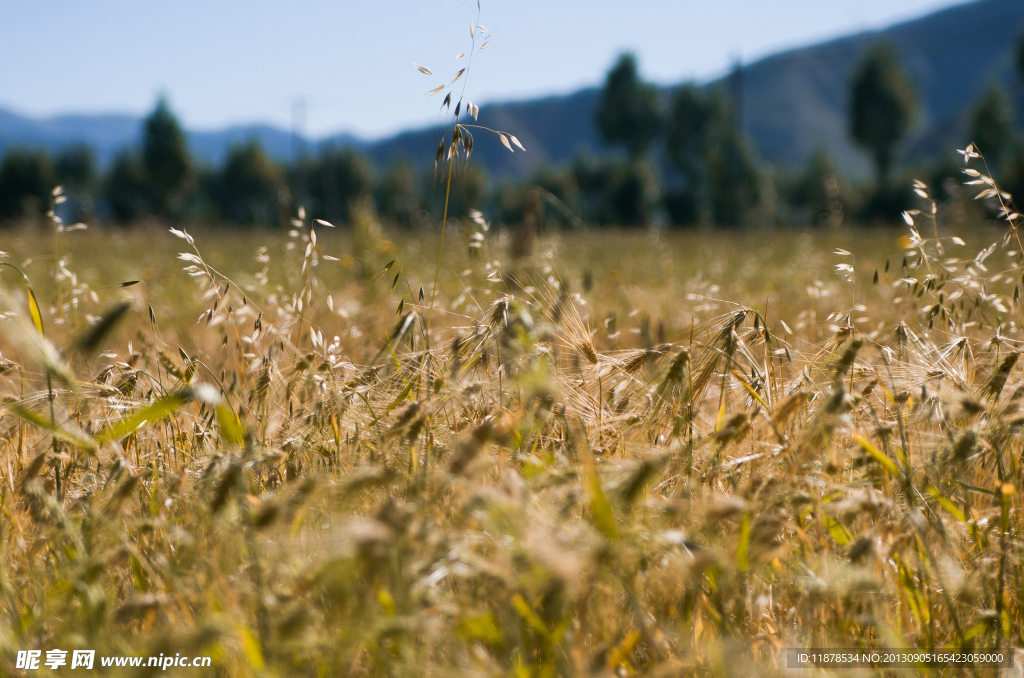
x,y
26,179
1020,55
336,179
166,160
734,179
628,110
820,196
633,192
691,129
717,177
591,177
468,188
246,188
396,195
76,168
882,107
615,193
126,188
990,126
691,124
1012,179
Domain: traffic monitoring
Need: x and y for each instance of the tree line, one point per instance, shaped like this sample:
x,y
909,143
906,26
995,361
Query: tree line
x,y
688,156
160,180
679,158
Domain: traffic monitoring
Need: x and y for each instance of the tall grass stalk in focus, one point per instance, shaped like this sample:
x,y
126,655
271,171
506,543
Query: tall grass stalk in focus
x,y
457,134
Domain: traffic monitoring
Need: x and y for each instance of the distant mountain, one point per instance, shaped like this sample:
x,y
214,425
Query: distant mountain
x,y
797,101
553,130
105,133
213,146
792,104
108,134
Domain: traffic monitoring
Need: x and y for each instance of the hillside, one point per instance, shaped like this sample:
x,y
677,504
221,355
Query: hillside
x,y
108,134
793,103
553,130
105,133
796,101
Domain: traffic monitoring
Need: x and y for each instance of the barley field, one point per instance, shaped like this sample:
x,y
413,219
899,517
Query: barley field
x,y
617,453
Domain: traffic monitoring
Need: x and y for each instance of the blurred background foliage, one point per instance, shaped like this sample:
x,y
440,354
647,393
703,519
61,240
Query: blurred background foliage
x,y
671,158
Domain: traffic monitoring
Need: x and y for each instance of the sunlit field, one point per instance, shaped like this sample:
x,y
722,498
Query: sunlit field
x,y
620,452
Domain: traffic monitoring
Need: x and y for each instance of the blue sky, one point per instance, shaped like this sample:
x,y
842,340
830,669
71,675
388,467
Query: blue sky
x,y
222,63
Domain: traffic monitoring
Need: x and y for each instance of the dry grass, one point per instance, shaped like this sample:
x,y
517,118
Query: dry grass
x,y
594,464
